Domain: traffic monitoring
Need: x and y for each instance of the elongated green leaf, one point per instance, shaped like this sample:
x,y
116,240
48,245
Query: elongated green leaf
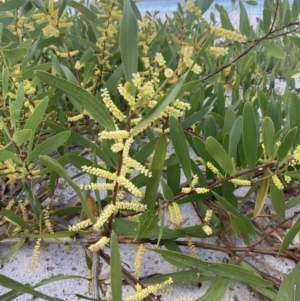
x,y
167,191
6,155
22,136
234,137
56,167
244,20
12,251
274,50
86,56
268,135
37,115
182,277
173,176
180,146
295,10
156,169
15,218
219,154
129,228
286,144
145,151
29,73
17,286
5,79
83,10
129,41
13,294
147,222
216,290
262,193
50,145
288,238
250,135
94,107
226,270
235,212
196,117
278,199
290,286
12,4
161,105
115,269
294,113
16,54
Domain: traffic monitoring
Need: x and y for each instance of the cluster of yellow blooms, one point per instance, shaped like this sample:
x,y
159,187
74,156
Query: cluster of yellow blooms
x,y
21,27
191,7
106,213
54,24
187,52
199,190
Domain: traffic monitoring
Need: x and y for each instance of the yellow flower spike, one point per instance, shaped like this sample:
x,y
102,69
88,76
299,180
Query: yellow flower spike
x,y
36,253
213,169
201,190
186,189
47,219
111,106
142,294
104,216
277,182
138,261
228,34
81,225
120,134
100,244
240,182
208,216
207,229
192,247
218,51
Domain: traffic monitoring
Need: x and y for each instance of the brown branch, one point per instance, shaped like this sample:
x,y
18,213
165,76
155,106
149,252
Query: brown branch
x,y
265,235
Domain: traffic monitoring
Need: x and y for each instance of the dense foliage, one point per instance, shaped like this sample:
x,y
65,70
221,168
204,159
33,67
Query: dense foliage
x,y
174,109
